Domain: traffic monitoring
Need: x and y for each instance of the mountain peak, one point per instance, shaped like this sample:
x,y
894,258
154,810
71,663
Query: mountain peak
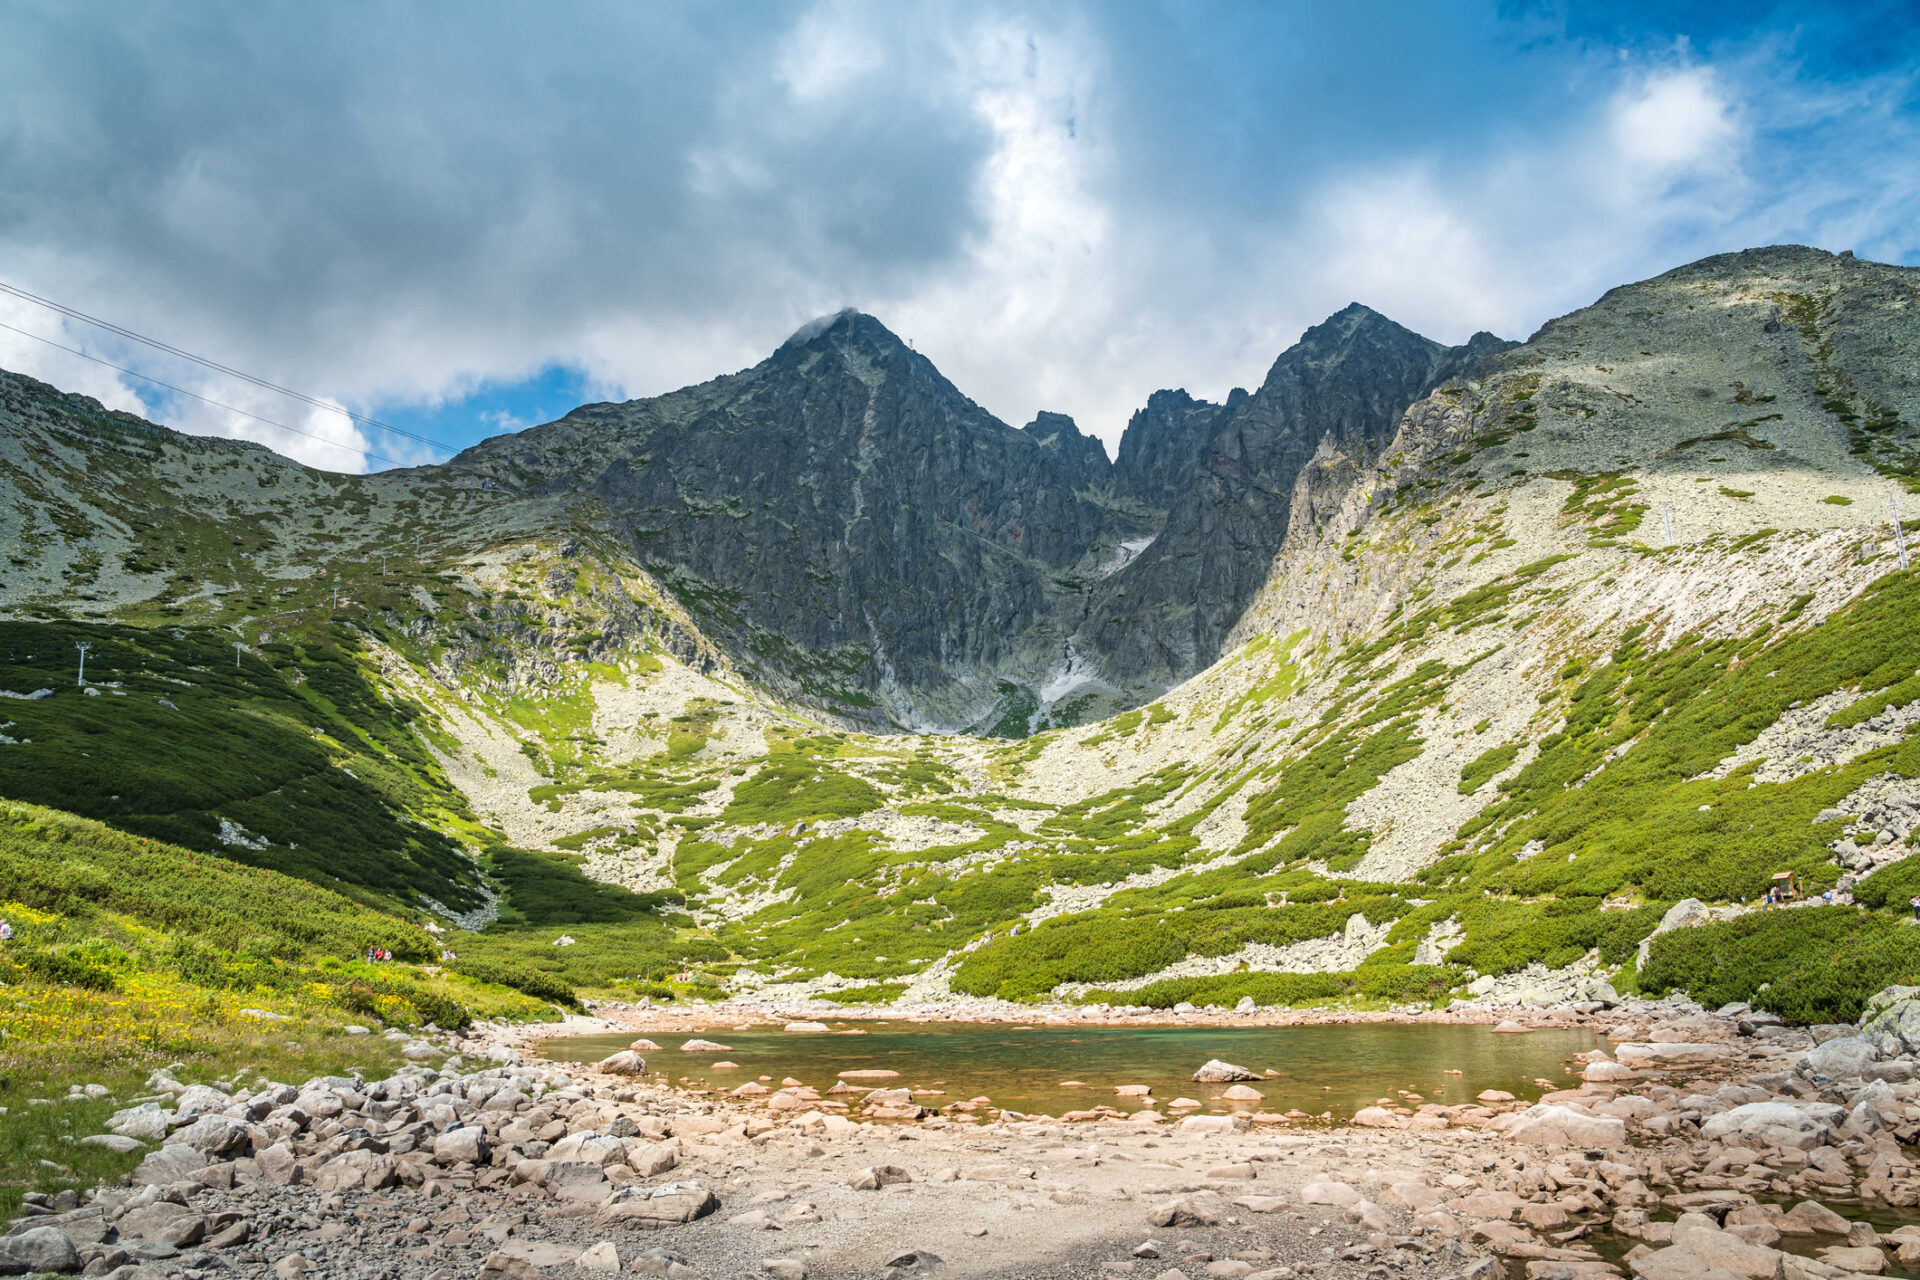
x,y
848,322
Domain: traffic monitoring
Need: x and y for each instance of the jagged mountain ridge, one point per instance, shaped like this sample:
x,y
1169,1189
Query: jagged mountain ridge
x,y
864,537
1483,722
1346,382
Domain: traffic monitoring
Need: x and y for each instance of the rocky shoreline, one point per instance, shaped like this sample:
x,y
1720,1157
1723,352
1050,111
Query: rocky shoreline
x,y
1703,1145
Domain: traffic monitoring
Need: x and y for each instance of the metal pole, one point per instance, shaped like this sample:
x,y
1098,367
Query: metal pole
x,y
1899,534
236,654
1666,517
83,646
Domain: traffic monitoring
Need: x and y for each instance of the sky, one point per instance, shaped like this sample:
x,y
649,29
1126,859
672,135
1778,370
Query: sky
x,y
461,219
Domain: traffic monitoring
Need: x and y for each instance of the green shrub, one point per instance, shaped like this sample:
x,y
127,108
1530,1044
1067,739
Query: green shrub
x,y
194,741
793,788
66,967
1474,774
60,863
1810,964
541,986
542,888
1397,982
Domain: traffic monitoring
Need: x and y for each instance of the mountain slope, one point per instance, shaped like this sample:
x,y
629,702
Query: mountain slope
x,y
1480,724
1346,381
855,529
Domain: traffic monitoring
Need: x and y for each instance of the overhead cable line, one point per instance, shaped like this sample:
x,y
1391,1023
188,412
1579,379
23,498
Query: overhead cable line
x,y
133,373
170,349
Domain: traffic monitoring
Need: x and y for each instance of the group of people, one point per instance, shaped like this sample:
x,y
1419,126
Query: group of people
x,y
376,955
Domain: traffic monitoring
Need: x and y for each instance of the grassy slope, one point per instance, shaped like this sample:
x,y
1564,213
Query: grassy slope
x,y
130,954
293,744
1591,816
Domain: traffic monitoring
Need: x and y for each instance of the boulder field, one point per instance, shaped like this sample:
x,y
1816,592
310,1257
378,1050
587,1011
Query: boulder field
x,y
1702,1145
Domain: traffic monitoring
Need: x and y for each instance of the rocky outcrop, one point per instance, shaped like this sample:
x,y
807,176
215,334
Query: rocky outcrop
x,y
1345,383
846,520
861,536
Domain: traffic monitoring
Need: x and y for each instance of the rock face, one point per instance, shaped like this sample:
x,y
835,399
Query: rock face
x,y
843,499
1891,1021
843,504
1346,383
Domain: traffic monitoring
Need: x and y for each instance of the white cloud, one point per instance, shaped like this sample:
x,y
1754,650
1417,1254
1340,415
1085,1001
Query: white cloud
x,y
829,50
1673,120
323,438
50,364
441,210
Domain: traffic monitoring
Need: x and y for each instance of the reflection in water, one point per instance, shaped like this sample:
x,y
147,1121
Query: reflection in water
x,y
1321,1068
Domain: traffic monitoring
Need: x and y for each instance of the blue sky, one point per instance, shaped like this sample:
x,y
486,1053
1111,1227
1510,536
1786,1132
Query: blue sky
x,y
466,218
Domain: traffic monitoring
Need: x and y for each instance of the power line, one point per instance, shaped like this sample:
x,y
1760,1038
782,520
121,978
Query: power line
x,y
132,373
215,365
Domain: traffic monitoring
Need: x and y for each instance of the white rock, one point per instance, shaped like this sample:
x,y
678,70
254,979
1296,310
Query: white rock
x,y
1549,1125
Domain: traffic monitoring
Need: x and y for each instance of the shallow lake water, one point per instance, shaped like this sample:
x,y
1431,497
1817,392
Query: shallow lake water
x,y
1337,1068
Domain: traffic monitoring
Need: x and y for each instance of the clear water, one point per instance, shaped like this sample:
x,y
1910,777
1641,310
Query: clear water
x,y
1337,1068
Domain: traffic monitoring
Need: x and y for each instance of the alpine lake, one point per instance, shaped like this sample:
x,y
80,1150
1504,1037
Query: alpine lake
x,y
1040,1069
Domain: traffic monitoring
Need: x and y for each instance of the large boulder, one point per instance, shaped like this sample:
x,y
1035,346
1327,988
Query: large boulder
x,y
1767,1124
213,1135
1218,1072
1606,1071
467,1145
1340,1195
581,1181
670,1204
1684,914
651,1159
624,1063
1181,1213
356,1171
1236,1123
82,1226
145,1123
38,1250
278,1165
201,1099
1811,1218
874,1177
163,1222
170,1164
1657,1057
1892,1020
1844,1059
113,1142
1548,1125
1721,1250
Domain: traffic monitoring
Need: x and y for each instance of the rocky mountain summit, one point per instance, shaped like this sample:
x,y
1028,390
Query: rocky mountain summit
x,y
860,535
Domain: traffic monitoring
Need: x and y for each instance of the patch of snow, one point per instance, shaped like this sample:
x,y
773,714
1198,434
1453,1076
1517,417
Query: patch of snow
x,y
1125,554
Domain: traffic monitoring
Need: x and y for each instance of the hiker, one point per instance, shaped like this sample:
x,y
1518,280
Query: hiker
x,y
6,928
1914,903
